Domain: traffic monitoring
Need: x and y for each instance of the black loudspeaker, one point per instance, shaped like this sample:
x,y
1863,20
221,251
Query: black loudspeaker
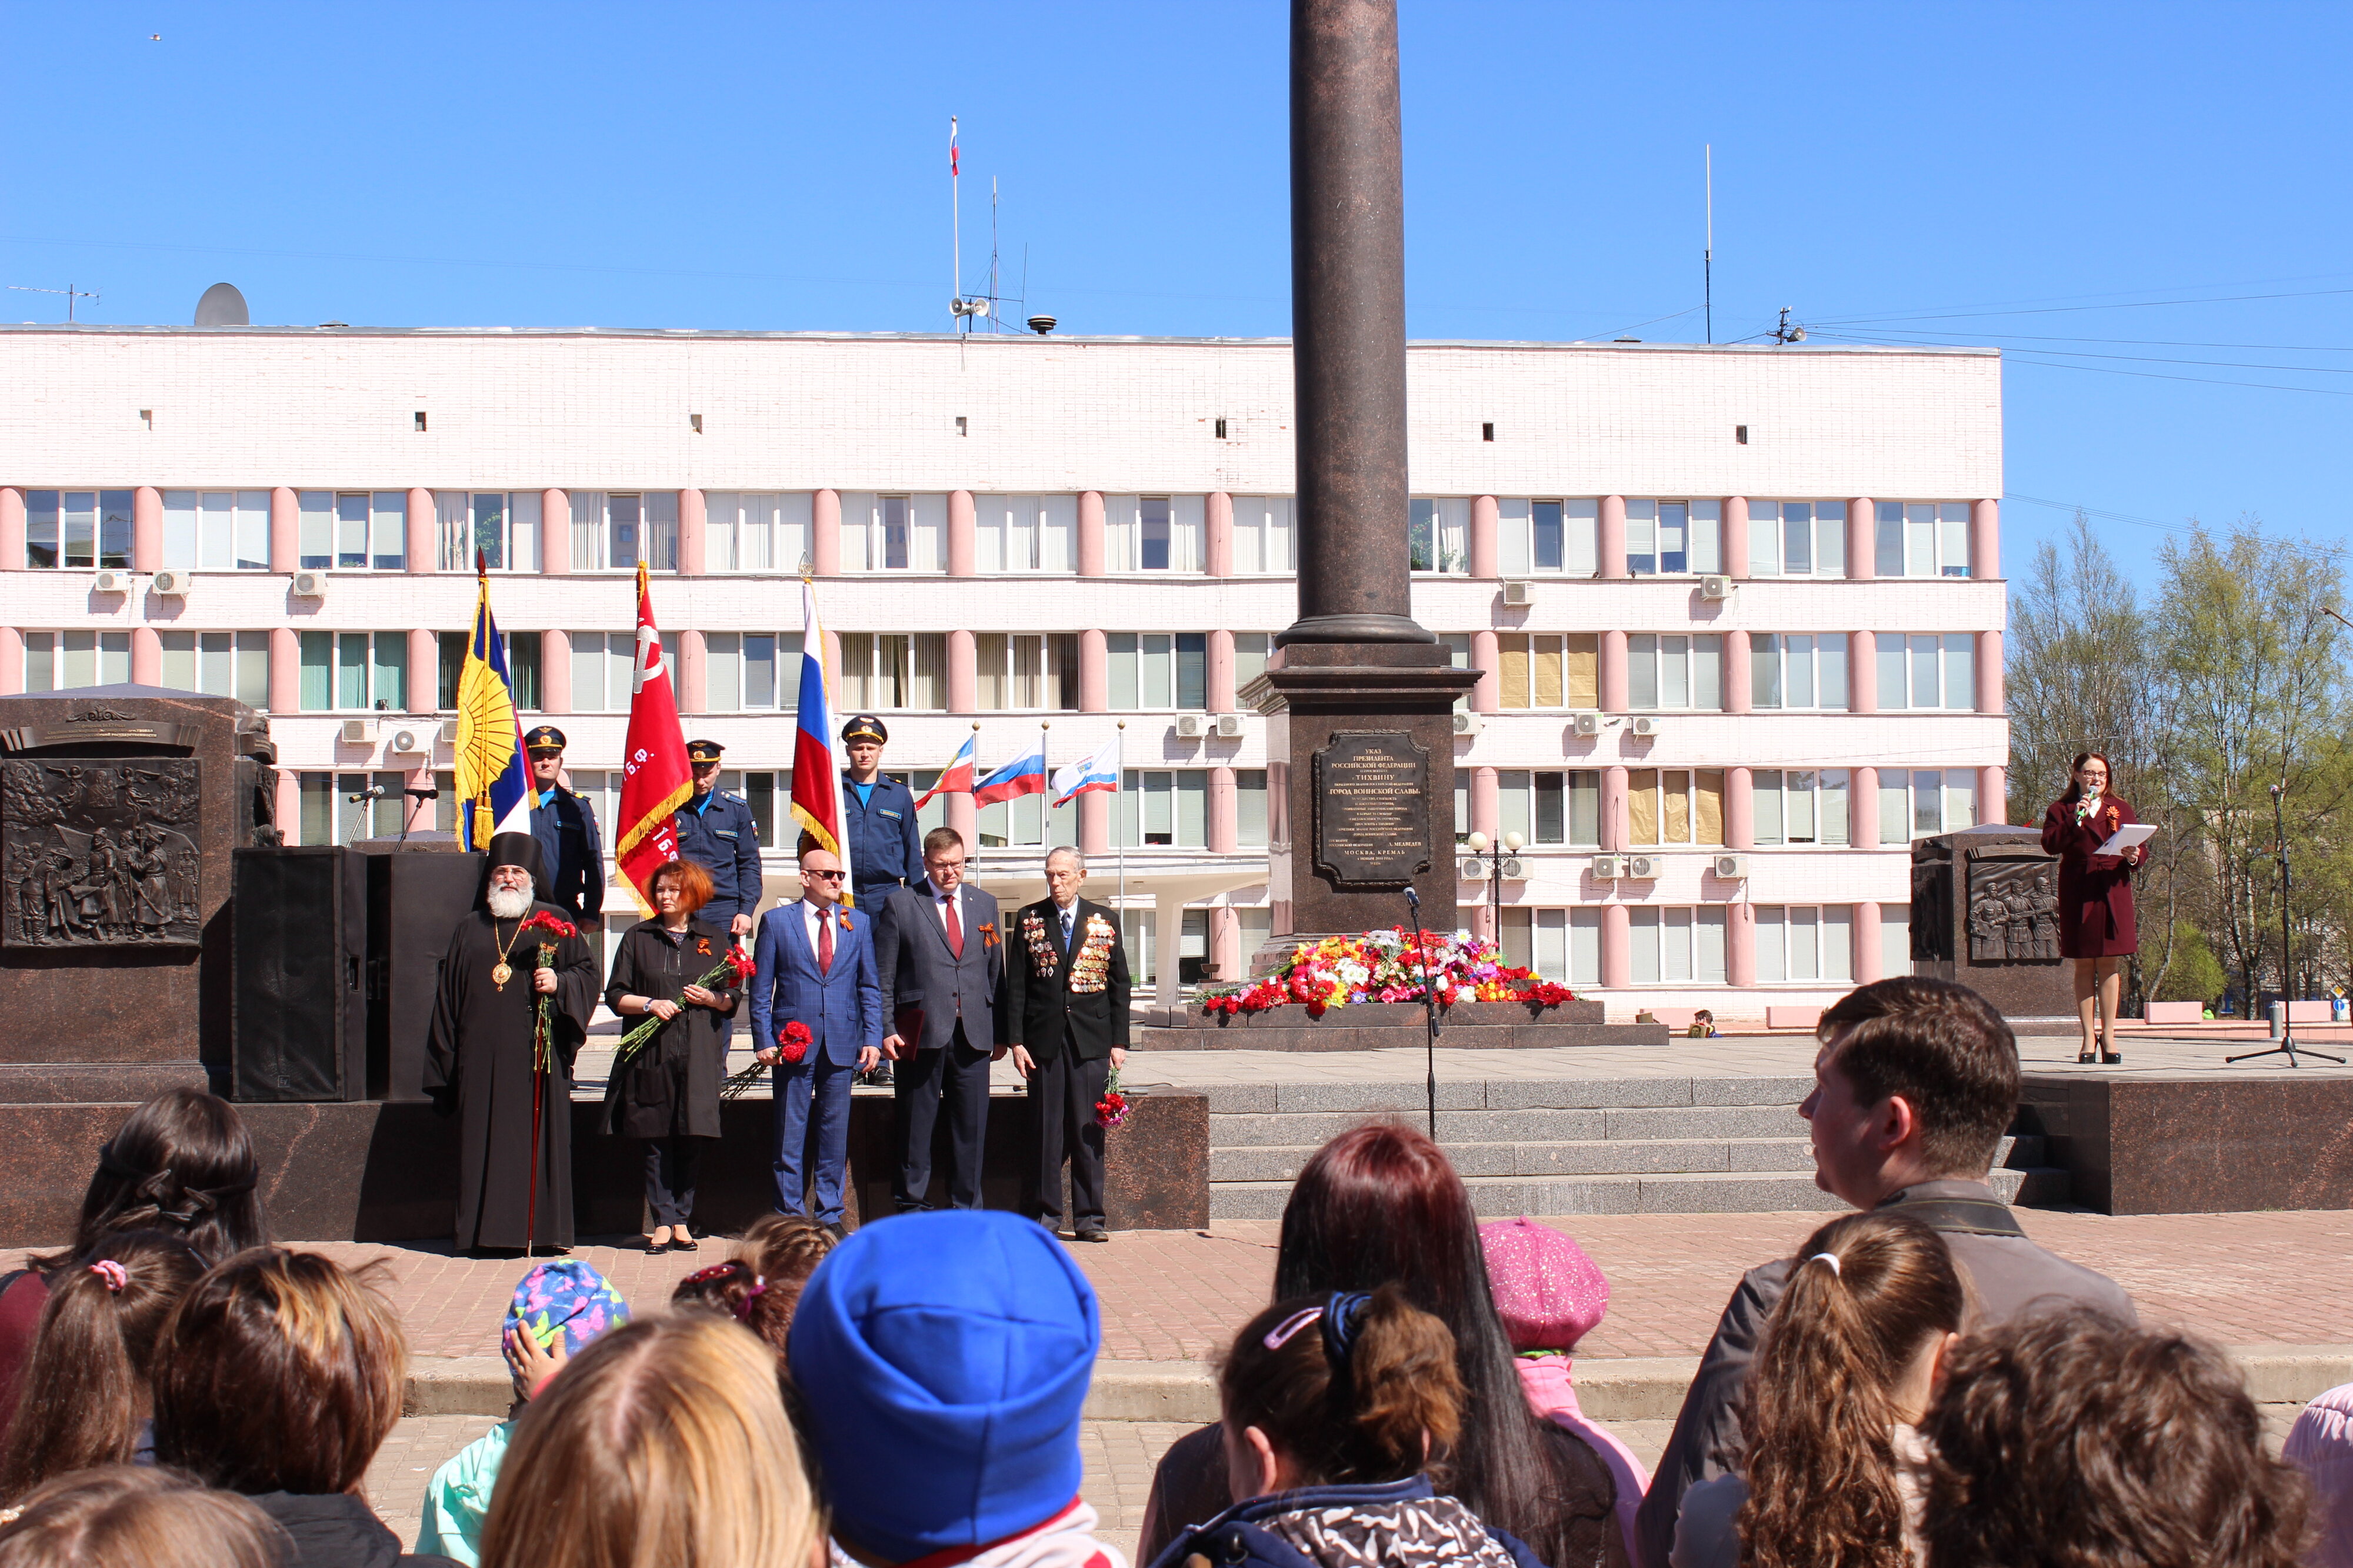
x,y
415,899
299,1011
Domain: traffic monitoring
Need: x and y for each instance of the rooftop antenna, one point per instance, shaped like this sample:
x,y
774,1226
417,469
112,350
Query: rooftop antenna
x,y
1788,332
70,291
1707,256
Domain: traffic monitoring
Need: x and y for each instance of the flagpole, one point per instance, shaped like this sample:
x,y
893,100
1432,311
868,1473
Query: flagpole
x,y
1046,808
1119,839
976,805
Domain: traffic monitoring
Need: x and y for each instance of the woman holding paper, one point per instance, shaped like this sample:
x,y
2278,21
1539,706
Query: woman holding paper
x,y
2095,900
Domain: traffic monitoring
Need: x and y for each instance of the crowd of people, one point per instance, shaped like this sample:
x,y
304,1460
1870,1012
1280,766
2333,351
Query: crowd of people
x,y
1917,1384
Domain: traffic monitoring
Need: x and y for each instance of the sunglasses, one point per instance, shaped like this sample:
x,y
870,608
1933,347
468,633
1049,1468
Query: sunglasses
x,y
827,876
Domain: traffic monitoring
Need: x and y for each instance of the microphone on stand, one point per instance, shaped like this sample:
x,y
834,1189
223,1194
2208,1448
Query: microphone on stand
x,y
372,791
422,794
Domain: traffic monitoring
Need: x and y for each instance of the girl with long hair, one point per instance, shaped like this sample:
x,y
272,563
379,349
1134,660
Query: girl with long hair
x,y
1846,1369
2097,929
121,1515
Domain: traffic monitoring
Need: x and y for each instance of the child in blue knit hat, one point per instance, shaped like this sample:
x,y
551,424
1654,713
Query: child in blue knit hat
x,y
943,1359
557,1309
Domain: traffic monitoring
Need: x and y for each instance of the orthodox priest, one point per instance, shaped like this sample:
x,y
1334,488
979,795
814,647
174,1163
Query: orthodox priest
x,y
490,1062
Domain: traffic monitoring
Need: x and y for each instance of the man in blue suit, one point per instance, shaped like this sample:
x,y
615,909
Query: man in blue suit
x,y
815,969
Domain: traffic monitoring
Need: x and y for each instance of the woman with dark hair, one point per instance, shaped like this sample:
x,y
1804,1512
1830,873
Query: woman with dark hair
x,y
667,1093
2095,899
181,1164
1382,1202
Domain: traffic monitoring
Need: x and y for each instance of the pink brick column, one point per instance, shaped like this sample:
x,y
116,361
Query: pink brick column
x,y
1614,697
1225,811
1993,796
1486,802
964,544
1615,787
1985,539
1094,822
556,672
554,540
421,526
1486,549
1861,538
285,672
964,673
1094,675
1221,672
285,530
425,670
1739,808
1735,536
146,656
1989,672
1616,947
12,661
1863,809
1740,945
1861,672
693,680
825,533
693,532
1226,942
1219,548
1611,536
1090,534
1738,694
1487,658
146,540
12,527
1866,944
289,804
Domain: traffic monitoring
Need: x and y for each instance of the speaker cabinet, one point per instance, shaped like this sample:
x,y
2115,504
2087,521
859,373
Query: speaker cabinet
x,y
299,1011
415,899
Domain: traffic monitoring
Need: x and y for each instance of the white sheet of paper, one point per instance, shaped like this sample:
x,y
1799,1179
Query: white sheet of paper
x,y
2131,835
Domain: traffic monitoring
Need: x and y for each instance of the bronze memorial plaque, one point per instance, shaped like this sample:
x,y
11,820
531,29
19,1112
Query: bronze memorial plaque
x,y
2013,911
1372,810
98,852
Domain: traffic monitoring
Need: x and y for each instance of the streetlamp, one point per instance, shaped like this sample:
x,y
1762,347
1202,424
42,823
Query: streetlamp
x,y
1492,871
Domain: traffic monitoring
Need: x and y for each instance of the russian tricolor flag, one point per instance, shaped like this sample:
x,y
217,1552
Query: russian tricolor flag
x,y
817,774
1025,775
956,777
1100,771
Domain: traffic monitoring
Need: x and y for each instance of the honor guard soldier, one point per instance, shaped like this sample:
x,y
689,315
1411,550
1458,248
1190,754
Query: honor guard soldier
x,y
570,847
715,831
886,851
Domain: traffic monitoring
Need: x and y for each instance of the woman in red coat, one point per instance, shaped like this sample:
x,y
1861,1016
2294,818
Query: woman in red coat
x,y
2095,899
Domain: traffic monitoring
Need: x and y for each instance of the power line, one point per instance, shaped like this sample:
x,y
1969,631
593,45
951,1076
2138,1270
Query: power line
x,y
2064,310
2018,357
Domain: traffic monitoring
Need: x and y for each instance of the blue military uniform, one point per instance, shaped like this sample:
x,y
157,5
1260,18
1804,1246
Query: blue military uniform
x,y
886,848
716,831
571,846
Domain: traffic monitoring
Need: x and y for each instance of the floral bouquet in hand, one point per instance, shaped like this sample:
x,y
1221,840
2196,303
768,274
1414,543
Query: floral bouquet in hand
x,y
1112,1109
793,1041
737,966
557,929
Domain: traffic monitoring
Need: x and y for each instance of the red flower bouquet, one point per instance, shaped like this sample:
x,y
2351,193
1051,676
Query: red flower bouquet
x,y
1111,1109
738,968
793,1039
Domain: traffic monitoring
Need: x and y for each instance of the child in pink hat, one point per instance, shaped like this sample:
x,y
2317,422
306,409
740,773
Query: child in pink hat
x,y
1550,1295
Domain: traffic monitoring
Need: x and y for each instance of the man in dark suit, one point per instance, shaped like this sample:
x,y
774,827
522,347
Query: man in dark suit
x,y
942,956
1066,992
815,969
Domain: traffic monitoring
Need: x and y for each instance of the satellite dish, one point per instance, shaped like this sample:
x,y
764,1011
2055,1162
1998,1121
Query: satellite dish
x,y
222,306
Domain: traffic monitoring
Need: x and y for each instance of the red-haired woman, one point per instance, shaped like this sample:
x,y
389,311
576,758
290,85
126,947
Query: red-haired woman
x,y
2095,899
667,1093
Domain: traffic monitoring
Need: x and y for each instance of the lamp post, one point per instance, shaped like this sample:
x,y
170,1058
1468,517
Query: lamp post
x,y
1479,844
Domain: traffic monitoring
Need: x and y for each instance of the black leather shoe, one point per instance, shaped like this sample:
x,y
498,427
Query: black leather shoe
x,y
1093,1233
2112,1058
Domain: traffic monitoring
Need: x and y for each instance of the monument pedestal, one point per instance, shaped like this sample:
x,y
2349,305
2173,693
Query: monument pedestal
x,y
1985,913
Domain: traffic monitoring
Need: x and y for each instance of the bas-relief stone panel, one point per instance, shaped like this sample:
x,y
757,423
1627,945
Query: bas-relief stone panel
x,y
100,853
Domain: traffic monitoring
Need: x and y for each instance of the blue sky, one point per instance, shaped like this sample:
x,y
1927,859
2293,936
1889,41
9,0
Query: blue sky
x,y
2065,181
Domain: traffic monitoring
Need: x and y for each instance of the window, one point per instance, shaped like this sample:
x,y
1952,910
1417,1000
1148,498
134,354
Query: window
x,y
1561,945
748,531
1250,808
1251,650
1262,535
216,531
1895,938
1797,538
1916,803
1438,535
1549,807
354,672
1919,539
1024,822
1678,946
219,664
331,817
355,530
1667,672
1935,669
894,533
502,526
1800,806
1157,671
1153,534
1458,655
1797,670
71,529
66,661
525,653
1549,669
1030,671
1560,536
893,671
1026,534
604,669
1674,807
756,672
1161,807
613,530
1802,943
1668,538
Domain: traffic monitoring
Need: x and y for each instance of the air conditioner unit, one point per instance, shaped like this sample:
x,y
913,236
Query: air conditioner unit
x,y
1648,728
1586,723
1470,869
310,584
111,583
1518,594
1732,867
358,732
409,739
171,585
1468,723
1715,587
449,732
1514,869
1192,726
1230,726
1643,867
1607,868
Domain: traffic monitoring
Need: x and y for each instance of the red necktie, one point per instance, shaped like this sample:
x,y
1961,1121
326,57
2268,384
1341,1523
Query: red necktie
x,y
956,927
825,941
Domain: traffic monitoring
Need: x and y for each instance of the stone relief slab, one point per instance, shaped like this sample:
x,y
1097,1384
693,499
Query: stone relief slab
x,y
100,853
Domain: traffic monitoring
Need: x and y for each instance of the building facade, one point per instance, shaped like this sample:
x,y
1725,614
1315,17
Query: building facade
x,y
1739,610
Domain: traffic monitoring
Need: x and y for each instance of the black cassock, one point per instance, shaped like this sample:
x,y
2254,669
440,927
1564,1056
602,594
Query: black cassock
x,y
479,1062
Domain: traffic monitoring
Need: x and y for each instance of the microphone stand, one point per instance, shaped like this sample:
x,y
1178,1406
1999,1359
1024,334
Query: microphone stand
x,y
1428,1005
2287,1046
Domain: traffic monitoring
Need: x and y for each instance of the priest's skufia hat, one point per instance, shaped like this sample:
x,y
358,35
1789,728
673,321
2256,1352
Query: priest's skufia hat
x,y
516,849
